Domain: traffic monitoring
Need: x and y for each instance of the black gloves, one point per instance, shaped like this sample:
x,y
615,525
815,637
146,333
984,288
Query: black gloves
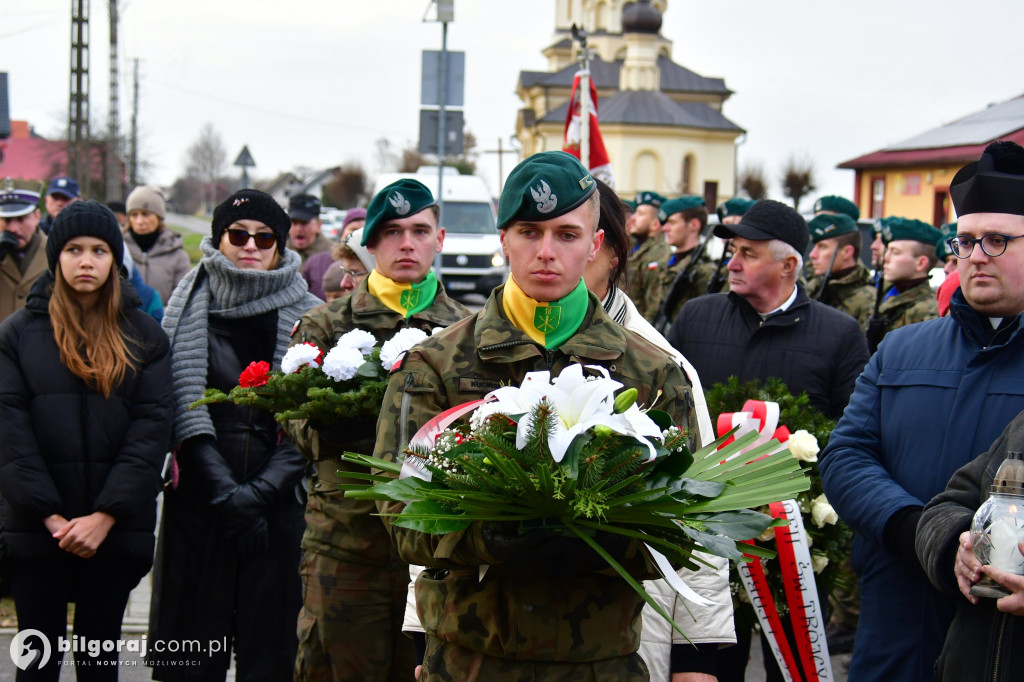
x,y
900,533
8,244
546,551
241,516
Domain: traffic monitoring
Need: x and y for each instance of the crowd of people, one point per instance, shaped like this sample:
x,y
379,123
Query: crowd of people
x,y
109,330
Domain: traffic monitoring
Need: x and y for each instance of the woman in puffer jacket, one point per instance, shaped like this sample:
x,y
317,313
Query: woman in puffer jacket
x,y
227,564
158,251
85,423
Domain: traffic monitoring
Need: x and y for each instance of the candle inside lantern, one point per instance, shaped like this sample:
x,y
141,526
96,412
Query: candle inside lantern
x,y
1004,535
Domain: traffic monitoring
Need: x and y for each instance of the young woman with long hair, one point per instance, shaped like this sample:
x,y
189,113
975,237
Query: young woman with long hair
x,y
85,423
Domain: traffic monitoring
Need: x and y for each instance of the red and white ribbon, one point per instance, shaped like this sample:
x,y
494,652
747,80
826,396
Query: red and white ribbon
x,y
428,433
810,661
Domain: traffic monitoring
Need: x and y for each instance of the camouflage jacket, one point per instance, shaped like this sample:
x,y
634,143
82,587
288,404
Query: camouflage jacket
x,y
853,294
583,617
916,304
638,266
346,529
663,283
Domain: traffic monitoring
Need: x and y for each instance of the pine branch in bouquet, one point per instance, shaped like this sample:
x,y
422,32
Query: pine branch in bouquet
x,y
829,537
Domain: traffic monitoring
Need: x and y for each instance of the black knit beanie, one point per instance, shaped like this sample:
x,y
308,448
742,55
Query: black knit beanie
x,y
251,204
84,219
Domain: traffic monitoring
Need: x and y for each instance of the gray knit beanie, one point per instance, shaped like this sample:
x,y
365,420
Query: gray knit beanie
x,y
147,198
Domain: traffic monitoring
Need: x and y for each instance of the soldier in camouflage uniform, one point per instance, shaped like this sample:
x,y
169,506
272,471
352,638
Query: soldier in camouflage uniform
x,y
649,246
539,613
848,286
909,257
354,584
674,282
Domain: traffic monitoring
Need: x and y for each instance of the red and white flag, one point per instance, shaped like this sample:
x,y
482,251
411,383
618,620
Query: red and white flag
x,y
600,166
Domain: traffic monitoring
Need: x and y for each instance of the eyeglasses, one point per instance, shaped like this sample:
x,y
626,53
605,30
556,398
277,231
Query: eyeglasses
x,y
264,240
992,245
354,274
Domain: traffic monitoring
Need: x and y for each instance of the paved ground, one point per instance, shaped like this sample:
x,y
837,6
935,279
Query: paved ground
x,y
189,222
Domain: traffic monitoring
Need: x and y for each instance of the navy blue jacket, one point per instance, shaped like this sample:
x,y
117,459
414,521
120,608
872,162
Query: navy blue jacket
x,y
810,346
934,396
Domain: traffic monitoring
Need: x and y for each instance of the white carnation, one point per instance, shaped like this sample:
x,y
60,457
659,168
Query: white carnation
x,y
822,512
299,356
436,330
393,349
818,562
804,446
360,339
342,362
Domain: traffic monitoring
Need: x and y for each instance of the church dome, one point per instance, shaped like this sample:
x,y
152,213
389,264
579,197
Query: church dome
x,y
641,17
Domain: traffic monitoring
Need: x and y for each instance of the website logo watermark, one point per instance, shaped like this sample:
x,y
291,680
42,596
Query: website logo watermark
x,y
25,655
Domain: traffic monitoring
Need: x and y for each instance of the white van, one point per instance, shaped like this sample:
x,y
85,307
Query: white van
x,y
471,260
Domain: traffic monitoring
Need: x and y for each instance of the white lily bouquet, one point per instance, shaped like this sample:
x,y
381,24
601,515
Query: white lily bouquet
x,y
568,451
348,381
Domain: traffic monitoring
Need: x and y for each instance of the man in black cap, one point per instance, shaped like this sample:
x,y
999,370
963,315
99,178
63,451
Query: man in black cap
x,y
304,235
767,326
22,247
933,396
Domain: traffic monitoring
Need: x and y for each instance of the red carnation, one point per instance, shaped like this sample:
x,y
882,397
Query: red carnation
x,y
254,375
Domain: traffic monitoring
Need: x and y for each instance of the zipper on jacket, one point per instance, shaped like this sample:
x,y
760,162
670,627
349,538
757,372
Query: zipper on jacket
x,y
248,436
549,357
504,344
403,423
999,647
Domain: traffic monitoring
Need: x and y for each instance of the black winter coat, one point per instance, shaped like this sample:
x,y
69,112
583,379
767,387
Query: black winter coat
x,y
229,549
982,643
65,449
810,346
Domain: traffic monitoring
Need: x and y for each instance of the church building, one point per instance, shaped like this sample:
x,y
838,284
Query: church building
x,y
662,124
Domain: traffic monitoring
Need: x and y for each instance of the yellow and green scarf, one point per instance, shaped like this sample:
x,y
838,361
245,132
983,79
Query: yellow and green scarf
x,y
548,323
404,299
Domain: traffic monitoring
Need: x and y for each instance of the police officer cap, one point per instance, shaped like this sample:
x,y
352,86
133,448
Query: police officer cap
x,y
992,184
829,225
303,207
400,199
837,204
942,251
768,219
649,198
63,186
897,229
735,206
15,203
544,186
683,203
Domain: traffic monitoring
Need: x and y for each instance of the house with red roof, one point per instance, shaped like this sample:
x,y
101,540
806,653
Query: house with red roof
x,y
911,178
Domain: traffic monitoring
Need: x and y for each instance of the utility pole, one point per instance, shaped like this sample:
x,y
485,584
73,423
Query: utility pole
x,y
114,189
133,154
78,101
501,153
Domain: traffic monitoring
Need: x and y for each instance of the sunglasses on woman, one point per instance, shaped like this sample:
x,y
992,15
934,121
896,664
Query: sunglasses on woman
x,y
264,240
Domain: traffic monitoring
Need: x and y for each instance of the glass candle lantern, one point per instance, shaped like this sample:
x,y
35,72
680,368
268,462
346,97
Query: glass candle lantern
x,y
998,526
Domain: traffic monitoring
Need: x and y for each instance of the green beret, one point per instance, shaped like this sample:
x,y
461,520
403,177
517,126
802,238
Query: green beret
x,y
827,226
683,203
835,204
631,205
942,251
896,229
735,206
544,186
650,198
400,199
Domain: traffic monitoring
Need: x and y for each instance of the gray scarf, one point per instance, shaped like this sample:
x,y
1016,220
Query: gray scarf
x,y
217,287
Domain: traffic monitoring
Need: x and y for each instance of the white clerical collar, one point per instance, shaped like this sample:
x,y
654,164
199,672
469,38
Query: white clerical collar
x,y
785,306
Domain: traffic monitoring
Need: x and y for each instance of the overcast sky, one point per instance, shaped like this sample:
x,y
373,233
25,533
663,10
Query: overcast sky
x,y
316,82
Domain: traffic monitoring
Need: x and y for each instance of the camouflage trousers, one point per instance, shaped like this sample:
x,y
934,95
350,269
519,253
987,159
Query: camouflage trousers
x,y
447,662
347,630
